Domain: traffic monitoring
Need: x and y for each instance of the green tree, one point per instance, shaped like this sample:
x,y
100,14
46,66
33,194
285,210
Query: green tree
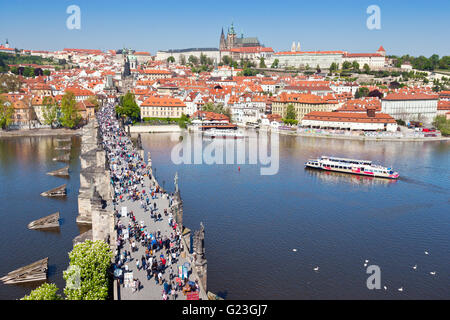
x,y
10,83
182,59
366,68
69,114
193,60
333,67
355,65
442,124
346,65
226,60
47,291
291,115
203,59
50,111
90,261
275,64
217,108
94,101
362,92
262,63
128,107
171,59
6,113
434,61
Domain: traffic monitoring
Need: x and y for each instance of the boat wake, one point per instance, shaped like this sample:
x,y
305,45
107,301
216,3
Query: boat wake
x,y
427,185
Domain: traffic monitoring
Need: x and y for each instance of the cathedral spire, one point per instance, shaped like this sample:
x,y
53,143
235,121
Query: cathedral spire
x,y
232,29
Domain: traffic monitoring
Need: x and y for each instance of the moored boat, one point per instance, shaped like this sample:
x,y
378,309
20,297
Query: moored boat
x,y
230,134
352,166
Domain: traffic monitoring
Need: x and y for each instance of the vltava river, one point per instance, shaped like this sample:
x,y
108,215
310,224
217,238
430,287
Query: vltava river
x,y
253,222
24,163
334,221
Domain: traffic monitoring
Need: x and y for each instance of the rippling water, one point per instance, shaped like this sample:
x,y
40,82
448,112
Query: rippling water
x,y
253,222
335,221
24,163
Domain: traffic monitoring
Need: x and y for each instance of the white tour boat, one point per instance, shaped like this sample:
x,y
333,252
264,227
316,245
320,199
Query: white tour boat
x,y
223,133
360,167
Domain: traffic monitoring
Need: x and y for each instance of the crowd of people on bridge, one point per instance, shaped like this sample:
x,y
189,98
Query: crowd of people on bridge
x,y
132,181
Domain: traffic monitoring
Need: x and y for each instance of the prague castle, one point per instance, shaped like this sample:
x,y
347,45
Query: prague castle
x,y
231,41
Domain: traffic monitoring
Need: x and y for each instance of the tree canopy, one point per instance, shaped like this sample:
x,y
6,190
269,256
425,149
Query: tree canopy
x,y
89,264
128,107
424,63
50,111
217,108
275,64
6,113
47,291
362,92
291,115
69,114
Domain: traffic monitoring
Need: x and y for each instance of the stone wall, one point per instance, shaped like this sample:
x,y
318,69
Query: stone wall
x,y
96,193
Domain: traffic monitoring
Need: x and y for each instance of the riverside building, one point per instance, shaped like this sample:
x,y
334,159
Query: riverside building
x,y
411,106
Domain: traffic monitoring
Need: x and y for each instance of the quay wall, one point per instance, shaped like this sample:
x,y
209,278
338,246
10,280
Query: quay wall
x,y
428,139
95,193
154,129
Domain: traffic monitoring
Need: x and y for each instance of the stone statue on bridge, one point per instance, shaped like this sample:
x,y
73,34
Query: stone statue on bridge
x,y
139,142
199,254
175,181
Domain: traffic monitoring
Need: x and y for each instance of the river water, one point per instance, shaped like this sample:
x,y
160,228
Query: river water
x,y
334,221
24,163
254,222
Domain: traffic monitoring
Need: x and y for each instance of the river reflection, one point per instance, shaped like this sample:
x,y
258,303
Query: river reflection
x,y
24,163
334,220
342,178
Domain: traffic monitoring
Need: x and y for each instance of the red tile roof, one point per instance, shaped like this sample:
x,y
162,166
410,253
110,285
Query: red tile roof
x,y
444,105
410,96
349,117
162,102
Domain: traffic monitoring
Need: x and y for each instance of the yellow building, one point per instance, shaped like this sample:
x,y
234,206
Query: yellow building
x,y
162,107
303,104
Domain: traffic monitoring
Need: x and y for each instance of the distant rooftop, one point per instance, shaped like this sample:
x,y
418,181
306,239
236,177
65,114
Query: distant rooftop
x,y
188,50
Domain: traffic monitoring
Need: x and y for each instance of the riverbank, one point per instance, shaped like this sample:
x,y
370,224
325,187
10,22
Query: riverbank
x,y
361,138
154,129
40,132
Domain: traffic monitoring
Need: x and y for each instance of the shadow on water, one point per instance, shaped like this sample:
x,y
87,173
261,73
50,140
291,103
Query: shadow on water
x,y
429,186
222,294
52,270
340,177
55,230
28,286
83,228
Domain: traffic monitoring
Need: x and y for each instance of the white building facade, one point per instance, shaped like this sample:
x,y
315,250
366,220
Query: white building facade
x,y
411,107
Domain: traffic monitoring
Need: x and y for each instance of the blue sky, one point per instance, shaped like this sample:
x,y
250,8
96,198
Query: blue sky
x,y
407,27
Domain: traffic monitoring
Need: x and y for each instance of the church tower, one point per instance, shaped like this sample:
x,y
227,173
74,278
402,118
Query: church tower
x,y
231,38
223,44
